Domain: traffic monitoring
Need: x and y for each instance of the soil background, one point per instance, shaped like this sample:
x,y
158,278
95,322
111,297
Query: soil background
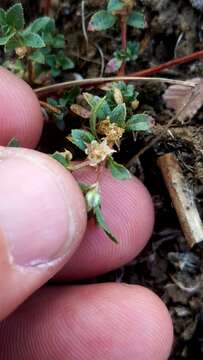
x,y
167,265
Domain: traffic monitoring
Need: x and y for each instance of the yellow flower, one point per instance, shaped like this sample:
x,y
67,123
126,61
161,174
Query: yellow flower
x,y
112,131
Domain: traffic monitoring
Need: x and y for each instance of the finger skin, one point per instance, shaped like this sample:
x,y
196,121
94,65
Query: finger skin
x,y
103,321
42,221
20,112
129,213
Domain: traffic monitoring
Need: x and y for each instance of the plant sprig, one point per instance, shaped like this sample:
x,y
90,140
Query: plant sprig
x,y
100,136
119,11
38,47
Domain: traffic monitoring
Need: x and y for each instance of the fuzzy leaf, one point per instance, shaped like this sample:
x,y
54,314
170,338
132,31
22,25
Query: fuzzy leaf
x,y
139,122
92,100
80,138
41,24
14,143
33,40
61,159
15,17
101,223
94,114
118,171
115,5
66,63
5,39
113,65
38,57
102,20
137,20
59,42
2,17
118,115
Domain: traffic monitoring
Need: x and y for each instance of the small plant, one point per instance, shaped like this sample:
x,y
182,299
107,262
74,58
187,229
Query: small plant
x,y
38,47
105,122
119,11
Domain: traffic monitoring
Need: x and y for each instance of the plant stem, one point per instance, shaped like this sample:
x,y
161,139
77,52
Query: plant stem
x,y
49,107
169,64
123,25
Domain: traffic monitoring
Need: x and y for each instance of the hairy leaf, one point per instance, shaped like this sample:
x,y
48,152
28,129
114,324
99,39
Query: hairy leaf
x,y
113,65
136,19
101,223
94,114
33,40
115,5
118,115
15,17
38,57
14,143
61,159
102,20
118,171
2,17
80,138
139,122
41,24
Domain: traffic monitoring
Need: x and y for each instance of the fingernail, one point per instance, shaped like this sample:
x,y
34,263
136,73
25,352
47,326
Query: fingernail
x,y
35,217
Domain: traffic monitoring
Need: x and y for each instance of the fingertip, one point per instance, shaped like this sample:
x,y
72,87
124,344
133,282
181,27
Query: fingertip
x,y
42,221
20,113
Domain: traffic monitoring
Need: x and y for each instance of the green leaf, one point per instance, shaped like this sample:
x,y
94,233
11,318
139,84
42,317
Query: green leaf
x,y
65,62
137,20
59,42
118,115
118,171
104,109
102,20
14,143
80,138
132,51
69,97
33,40
41,24
2,17
101,223
15,17
38,57
5,39
139,122
94,115
115,5
113,65
61,158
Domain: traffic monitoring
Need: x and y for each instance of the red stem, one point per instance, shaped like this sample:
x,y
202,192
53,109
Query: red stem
x,y
171,63
46,6
123,24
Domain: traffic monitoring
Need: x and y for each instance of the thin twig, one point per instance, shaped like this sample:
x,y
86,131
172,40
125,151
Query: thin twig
x,y
170,123
45,90
183,199
102,59
84,30
181,60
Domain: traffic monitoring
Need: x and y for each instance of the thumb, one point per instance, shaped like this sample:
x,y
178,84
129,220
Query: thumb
x,y
42,220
